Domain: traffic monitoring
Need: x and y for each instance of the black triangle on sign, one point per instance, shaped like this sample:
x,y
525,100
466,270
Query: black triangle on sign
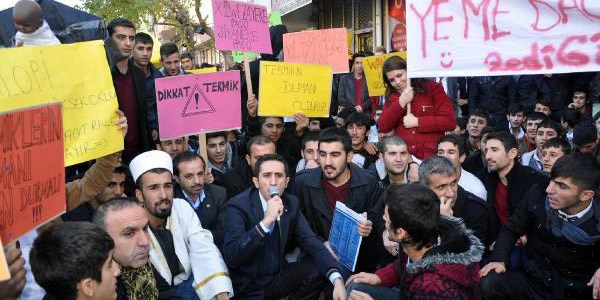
x,y
197,104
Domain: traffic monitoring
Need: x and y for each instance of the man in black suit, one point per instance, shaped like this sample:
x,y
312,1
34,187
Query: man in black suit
x,y
206,200
439,174
264,223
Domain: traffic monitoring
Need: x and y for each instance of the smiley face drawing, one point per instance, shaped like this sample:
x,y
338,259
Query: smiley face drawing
x,y
446,62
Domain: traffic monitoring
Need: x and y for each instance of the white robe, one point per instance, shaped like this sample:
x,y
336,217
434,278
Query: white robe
x,y
42,36
196,252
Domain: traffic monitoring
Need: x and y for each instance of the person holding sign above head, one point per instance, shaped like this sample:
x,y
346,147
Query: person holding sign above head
x,y
419,113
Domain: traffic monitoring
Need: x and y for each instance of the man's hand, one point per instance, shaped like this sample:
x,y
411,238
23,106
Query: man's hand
x,y
274,209
222,296
122,122
358,108
301,123
497,267
410,121
208,176
407,95
595,283
328,247
358,295
365,278
413,173
521,241
154,135
462,102
390,246
339,290
365,227
12,288
446,206
371,148
311,164
252,106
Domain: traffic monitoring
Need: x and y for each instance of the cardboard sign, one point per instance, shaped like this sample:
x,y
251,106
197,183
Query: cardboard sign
x,y
32,170
274,18
203,70
195,103
238,57
4,270
76,75
320,47
241,26
373,66
286,89
491,37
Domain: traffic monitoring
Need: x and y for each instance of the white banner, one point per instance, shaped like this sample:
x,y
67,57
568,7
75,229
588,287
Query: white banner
x,y
287,6
502,37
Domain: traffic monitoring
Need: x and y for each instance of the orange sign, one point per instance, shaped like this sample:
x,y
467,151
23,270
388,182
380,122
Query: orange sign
x,y
32,169
319,47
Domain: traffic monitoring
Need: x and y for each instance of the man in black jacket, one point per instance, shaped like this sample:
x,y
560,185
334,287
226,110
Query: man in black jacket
x,y
562,255
208,201
439,174
494,94
339,180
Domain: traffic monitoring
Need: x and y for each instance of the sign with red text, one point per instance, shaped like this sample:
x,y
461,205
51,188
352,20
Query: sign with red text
x,y
241,26
319,47
502,37
32,169
196,103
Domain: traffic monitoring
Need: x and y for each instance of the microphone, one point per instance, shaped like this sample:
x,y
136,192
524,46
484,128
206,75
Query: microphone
x,y
274,191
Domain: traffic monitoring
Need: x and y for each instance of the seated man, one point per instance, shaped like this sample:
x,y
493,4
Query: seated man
x,y
309,151
222,155
399,167
173,146
182,251
207,200
546,130
358,125
561,257
552,150
263,224
452,147
74,261
439,257
543,106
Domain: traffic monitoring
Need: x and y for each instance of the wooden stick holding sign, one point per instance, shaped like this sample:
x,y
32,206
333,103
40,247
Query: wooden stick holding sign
x,y
408,105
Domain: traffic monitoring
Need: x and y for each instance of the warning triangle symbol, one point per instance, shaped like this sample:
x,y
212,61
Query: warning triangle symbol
x,y
197,104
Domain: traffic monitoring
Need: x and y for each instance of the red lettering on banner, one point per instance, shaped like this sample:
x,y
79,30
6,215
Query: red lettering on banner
x,y
437,19
495,12
543,9
595,38
574,58
477,11
422,23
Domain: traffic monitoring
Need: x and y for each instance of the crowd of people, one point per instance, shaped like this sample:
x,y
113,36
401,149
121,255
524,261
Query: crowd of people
x,y
471,188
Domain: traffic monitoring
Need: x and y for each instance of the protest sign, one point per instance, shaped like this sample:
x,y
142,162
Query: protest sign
x,y
203,70
320,47
274,18
373,67
195,103
287,6
76,75
492,37
241,26
238,57
286,89
4,270
32,170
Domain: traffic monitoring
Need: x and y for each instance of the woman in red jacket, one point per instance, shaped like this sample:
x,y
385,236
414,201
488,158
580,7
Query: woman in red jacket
x,y
431,112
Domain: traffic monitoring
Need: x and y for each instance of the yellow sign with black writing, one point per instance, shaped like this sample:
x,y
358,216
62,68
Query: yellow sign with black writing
x,y
289,88
76,75
203,70
373,66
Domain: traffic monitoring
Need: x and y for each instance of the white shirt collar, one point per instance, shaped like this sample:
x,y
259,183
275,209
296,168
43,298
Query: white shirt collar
x,y
194,202
521,131
263,202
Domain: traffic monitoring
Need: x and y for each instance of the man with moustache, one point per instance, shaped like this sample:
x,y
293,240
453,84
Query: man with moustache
x,y
181,250
338,180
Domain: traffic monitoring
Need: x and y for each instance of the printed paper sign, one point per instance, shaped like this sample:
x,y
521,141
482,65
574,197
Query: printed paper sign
x,y
373,67
32,169
196,103
286,89
76,75
491,37
241,26
320,47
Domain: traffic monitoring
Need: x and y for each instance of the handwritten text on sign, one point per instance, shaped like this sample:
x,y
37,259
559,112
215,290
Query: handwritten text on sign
x,y
37,75
496,37
241,26
373,66
195,103
286,89
320,47
32,171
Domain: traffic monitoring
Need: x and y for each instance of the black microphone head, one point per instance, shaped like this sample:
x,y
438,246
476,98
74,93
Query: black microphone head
x,y
273,191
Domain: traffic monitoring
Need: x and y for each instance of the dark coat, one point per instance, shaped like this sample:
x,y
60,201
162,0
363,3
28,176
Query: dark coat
x,y
365,195
238,179
346,93
555,261
211,213
245,240
530,88
474,211
519,180
493,94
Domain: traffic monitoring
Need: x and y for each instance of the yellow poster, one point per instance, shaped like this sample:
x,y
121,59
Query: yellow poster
x,y
289,88
76,75
4,268
373,66
203,70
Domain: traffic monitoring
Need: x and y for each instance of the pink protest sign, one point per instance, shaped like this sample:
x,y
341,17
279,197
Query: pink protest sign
x,y
241,26
195,103
319,47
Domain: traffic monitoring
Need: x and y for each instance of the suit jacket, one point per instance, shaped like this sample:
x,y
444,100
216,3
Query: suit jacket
x,y
245,240
211,210
346,92
475,213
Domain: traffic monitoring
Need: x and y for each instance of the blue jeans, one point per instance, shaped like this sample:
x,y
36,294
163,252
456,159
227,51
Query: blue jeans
x,y
185,289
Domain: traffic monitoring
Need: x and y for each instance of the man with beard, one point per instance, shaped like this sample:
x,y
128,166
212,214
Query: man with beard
x,y
338,180
399,166
181,250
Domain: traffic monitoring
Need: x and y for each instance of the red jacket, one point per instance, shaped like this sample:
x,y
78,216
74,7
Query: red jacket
x,y
434,111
